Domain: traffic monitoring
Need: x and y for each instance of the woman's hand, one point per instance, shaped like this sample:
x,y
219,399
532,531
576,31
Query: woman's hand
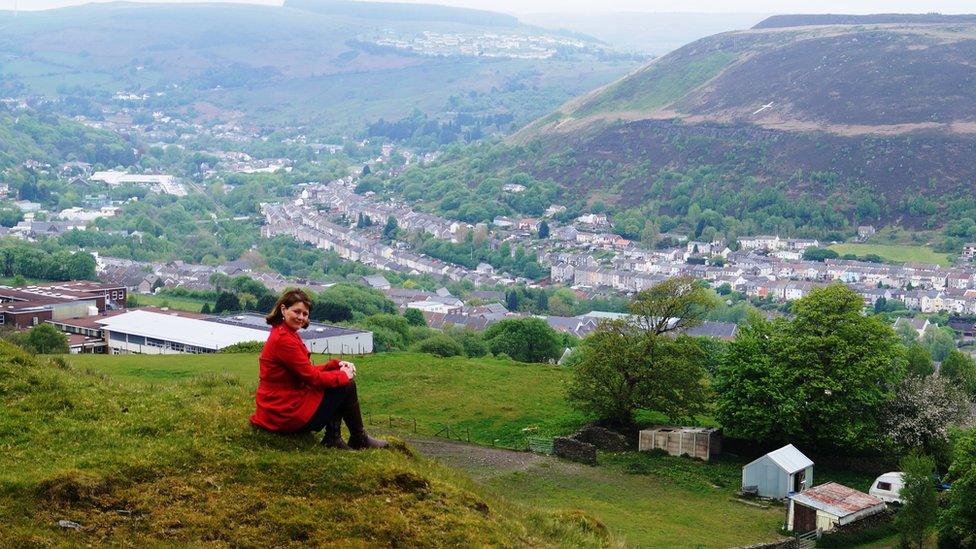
x,y
349,368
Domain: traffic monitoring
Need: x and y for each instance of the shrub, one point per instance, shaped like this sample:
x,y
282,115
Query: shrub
x,y
440,345
244,347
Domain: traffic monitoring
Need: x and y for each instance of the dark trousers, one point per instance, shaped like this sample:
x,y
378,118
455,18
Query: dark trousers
x,y
332,407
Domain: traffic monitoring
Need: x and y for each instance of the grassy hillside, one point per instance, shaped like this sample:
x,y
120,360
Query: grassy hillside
x,y
644,500
177,464
842,78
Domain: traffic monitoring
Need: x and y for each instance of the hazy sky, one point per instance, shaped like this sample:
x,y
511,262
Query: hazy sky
x,y
602,6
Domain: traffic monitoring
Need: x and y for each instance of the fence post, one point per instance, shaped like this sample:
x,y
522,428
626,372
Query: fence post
x,y
415,426
468,430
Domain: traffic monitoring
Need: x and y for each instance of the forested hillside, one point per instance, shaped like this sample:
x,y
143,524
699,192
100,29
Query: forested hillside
x,y
49,138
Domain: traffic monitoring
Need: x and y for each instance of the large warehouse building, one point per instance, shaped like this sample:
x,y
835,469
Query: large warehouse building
x,y
146,332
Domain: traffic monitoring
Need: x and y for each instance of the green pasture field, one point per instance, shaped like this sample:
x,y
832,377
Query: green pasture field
x,y
894,252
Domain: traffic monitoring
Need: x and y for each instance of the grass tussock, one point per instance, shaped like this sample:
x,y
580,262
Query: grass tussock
x,y
178,464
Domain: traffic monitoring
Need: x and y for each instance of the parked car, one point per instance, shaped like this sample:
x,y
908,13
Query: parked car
x,y
887,486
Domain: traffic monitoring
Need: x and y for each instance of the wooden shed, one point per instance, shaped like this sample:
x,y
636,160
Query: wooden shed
x,y
696,442
829,505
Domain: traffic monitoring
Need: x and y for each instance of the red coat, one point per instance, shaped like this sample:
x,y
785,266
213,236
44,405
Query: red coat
x,y
290,388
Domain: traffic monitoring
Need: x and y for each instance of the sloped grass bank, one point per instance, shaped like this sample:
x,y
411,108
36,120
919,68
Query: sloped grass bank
x,y
495,401
176,464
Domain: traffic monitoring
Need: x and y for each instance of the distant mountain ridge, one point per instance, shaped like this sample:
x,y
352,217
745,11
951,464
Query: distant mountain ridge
x,y
802,20
405,12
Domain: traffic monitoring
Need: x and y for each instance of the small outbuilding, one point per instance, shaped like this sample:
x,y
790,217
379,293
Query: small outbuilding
x,y
778,473
696,442
829,505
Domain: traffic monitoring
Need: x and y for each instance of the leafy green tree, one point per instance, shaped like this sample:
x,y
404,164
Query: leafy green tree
x,y
10,216
623,369
266,302
523,339
822,379
635,364
205,310
819,254
473,343
362,300
226,302
544,230
920,505
960,368
415,317
391,228
81,266
330,311
939,342
919,361
43,339
957,525
907,334
394,327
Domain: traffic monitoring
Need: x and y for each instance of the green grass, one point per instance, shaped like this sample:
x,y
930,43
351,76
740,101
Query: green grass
x,y
178,303
175,463
657,85
645,510
644,500
496,401
894,252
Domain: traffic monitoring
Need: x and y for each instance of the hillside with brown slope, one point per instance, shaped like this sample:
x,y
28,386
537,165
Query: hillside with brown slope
x,y
843,79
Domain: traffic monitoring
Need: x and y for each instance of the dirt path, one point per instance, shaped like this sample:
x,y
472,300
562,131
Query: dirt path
x,y
481,461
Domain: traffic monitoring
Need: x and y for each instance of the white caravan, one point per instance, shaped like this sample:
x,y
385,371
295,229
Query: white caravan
x,y
887,486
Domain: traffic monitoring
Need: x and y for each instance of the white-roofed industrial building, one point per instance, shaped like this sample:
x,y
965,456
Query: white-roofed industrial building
x,y
145,332
778,473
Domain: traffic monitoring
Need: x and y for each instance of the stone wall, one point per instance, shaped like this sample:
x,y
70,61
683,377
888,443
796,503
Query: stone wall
x,y
574,450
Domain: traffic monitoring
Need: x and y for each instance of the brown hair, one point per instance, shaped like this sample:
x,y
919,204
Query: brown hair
x,y
287,299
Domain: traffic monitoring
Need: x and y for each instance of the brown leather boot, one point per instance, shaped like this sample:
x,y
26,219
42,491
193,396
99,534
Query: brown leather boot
x,y
333,435
358,439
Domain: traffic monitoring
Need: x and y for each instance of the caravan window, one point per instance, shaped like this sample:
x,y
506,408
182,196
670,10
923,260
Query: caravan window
x,y
886,486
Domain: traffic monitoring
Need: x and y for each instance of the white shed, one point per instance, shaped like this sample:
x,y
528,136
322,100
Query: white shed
x,y
778,473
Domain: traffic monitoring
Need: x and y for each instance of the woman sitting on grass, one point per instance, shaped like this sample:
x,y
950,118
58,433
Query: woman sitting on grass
x,y
293,395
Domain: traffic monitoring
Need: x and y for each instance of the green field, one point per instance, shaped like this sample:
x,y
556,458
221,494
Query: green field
x,y
644,500
178,303
895,253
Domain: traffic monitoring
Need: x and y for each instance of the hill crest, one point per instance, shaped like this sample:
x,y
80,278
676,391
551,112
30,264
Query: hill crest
x,y
841,79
